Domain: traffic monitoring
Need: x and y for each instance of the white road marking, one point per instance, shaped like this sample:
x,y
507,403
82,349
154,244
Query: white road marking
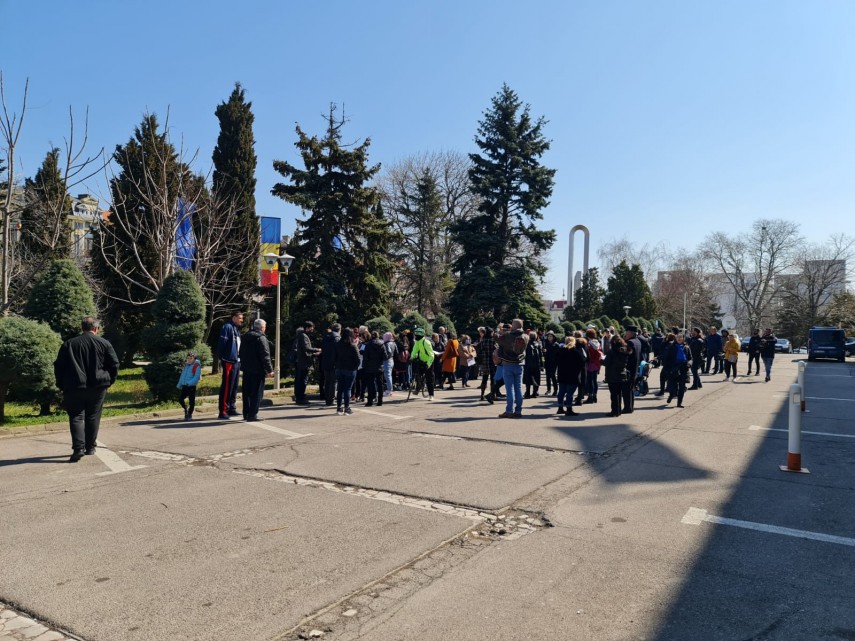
x,y
393,416
112,460
755,428
696,516
278,430
822,398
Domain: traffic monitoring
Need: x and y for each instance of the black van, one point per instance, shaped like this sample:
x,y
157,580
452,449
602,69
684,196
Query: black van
x,y
826,342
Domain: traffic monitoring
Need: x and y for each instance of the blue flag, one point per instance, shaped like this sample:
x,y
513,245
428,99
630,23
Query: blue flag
x,y
185,241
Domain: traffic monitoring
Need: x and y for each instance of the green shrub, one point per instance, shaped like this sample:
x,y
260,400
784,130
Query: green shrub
x,y
413,320
381,325
442,320
179,314
61,298
27,352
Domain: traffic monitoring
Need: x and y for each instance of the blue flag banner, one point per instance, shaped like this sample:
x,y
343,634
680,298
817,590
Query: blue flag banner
x,y
185,240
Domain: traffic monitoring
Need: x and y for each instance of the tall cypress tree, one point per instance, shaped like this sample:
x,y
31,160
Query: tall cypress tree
x,y
234,184
45,231
342,266
501,262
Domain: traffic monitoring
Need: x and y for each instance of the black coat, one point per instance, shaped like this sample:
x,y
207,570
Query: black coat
x,y
615,365
533,355
550,353
669,358
328,350
85,361
571,366
373,357
346,356
634,357
255,353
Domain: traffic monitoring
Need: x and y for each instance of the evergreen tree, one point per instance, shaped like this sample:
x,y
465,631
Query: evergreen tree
x,y
234,186
134,250
588,300
61,299
442,320
179,314
626,286
502,250
342,266
27,352
45,231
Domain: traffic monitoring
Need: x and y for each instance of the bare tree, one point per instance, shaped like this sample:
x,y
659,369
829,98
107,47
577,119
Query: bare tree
x,y
806,294
751,265
137,246
11,124
651,258
20,263
423,278
686,293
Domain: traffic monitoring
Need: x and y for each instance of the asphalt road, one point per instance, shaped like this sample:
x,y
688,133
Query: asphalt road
x,y
438,521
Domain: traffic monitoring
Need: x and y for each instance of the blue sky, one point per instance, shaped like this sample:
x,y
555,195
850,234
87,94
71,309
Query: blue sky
x,y
668,119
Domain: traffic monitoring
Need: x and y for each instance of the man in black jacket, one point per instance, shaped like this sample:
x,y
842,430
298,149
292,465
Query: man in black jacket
x,y
767,351
84,368
305,354
328,361
697,346
754,351
256,366
633,359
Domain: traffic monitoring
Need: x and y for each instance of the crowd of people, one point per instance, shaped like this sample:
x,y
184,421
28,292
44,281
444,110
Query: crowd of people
x,y
513,363
360,365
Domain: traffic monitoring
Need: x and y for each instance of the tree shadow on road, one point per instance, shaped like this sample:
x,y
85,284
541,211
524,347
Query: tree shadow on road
x,y
34,459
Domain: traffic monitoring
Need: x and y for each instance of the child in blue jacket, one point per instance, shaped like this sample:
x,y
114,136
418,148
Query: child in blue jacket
x,y
187,382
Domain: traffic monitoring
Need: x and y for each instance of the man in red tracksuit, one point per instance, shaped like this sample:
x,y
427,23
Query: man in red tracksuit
x,y
227,350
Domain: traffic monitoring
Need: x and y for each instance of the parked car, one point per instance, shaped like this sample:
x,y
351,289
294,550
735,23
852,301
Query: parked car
x,y
826,342
849,347
783,346
743,344
801,350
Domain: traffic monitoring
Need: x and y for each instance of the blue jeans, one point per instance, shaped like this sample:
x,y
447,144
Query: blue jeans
x,y
512,374
566,390
344,380
387,374
767,363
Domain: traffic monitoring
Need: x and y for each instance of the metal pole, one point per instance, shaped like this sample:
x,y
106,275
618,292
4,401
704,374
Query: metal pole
x,y
794,445
685,298
276,374
802,367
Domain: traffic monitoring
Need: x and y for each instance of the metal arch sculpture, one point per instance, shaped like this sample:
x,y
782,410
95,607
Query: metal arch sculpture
x,y
571,282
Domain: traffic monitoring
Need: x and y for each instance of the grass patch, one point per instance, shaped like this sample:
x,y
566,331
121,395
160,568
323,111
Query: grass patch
x,y
129,395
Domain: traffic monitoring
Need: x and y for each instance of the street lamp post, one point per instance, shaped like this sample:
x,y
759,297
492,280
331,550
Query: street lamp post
x,y
626,309
284,261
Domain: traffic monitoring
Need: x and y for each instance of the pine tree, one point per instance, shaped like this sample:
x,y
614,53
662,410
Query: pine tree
x,y
626,286
341,268
502,257
45,231
234,186
61,298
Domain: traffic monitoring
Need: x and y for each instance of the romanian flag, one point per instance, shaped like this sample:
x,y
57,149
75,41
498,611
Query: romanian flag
x,y
270,238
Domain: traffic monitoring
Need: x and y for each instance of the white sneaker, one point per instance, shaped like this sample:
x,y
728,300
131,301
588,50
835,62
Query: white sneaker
x,y
734,379
430,398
